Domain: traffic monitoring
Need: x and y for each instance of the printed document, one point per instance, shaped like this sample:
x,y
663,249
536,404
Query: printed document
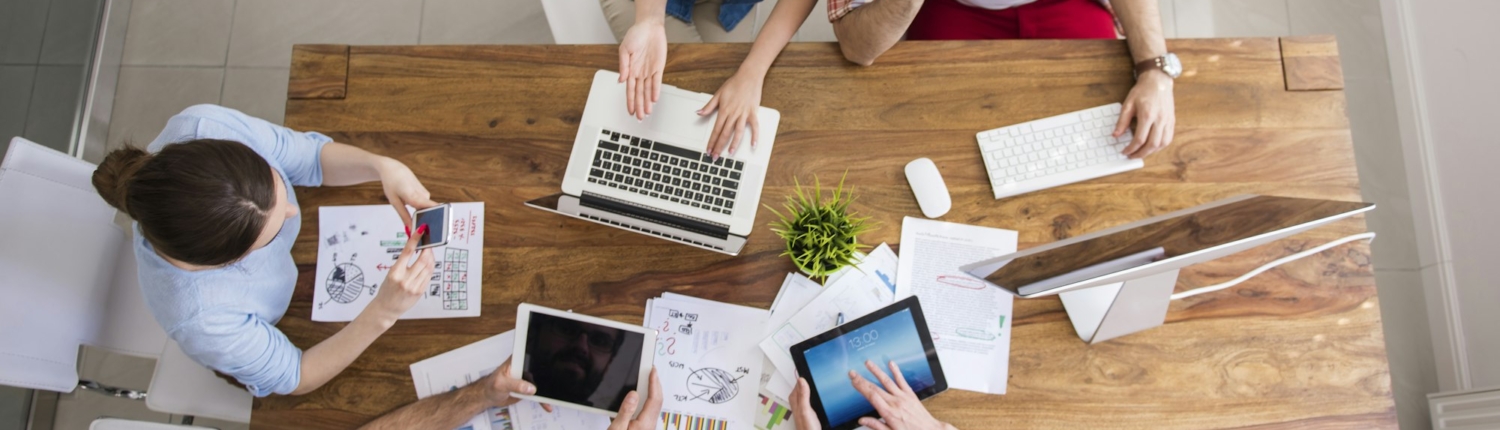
x,y
358,244
970,321
708,361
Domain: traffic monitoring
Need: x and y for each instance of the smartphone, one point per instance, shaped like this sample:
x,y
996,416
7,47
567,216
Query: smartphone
x,y
437,219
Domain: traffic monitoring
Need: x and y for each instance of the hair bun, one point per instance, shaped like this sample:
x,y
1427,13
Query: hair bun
x,y
112,178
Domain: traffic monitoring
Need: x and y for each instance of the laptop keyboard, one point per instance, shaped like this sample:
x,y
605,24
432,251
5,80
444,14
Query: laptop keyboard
x,y
667,172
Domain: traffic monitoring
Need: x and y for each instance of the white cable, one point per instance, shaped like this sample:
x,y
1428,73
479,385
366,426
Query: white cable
x,y
1273,264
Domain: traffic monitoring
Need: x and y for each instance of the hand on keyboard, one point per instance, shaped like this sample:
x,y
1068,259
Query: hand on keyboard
x,y
1150,103
737,102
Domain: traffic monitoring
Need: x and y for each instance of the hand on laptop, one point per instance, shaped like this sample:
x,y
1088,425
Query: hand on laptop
x,y
894,400
643,56
737,102
646,420
1150,103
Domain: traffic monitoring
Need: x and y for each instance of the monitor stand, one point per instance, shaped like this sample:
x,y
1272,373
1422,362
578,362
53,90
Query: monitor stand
x,y
1110,311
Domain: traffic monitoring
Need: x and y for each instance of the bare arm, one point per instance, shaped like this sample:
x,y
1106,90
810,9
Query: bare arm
x,y
1142,22
868,31
402,287
348,165
449,410
739,96
1150,103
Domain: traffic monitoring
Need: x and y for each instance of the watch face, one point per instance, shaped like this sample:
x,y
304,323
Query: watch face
x,y
1172,66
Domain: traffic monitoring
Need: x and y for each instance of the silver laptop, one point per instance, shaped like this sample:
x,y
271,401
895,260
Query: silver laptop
x,y
652,176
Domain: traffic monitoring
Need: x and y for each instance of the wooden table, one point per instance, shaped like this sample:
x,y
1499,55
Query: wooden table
x,y
1296,347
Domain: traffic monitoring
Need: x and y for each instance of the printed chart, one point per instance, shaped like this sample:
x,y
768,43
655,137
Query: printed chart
x,y
359,244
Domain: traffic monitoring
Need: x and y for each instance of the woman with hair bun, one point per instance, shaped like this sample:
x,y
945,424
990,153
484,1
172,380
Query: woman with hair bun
x,y
215,217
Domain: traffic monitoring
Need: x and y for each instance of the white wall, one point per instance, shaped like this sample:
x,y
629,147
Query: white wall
x,y
1445,66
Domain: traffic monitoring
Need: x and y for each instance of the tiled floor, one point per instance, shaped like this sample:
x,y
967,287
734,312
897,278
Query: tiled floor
x,y
44,47
236,53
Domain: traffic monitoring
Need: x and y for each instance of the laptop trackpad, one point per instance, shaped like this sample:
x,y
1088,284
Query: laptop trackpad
x,y
675,119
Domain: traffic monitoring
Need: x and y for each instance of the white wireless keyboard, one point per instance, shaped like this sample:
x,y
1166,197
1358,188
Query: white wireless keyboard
x,y
1055,151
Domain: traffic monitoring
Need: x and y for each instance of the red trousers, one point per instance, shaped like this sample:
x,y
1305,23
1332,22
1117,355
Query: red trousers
x,y
1043,19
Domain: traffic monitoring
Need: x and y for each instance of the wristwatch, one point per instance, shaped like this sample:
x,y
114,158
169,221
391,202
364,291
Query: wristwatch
x,y
1166,63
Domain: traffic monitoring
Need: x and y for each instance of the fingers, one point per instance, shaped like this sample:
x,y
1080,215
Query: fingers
x,y
630,101
873,424
400,209
656,87
1154,142
547,407
653,403
713,105
406,253
885,381
646,96
714,138
878,398
504,368
734,138
622,420
900,378
1126,113
754,130
802,411
1142,132
419,277
624,63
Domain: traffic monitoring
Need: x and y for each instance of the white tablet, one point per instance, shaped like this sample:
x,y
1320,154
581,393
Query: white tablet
x,y
578,361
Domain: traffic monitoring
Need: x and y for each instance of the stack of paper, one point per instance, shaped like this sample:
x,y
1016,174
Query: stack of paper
x,y
707,362
850,294
358,244
969,320
472,363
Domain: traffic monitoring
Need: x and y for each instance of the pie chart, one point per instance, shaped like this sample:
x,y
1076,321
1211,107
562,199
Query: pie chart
x,y
345,283
714,385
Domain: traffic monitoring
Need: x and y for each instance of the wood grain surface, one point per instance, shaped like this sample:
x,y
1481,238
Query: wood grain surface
x,y
318,72
1296,347
1312,63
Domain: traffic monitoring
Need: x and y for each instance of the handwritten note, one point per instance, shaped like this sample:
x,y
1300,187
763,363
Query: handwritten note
x,y
358,244
969,320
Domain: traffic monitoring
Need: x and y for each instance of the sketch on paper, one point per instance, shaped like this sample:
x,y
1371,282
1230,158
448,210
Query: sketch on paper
x,y
358,246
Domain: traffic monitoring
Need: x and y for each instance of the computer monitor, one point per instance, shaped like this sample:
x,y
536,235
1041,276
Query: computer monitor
x,y
1119,280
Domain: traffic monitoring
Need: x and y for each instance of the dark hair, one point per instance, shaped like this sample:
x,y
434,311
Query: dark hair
x,y
202,202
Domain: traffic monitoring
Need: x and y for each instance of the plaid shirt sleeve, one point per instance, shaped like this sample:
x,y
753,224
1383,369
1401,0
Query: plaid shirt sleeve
x,y
838,8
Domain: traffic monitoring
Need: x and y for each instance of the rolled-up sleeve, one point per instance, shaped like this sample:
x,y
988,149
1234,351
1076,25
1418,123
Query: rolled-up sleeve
x,y
244,347
296,153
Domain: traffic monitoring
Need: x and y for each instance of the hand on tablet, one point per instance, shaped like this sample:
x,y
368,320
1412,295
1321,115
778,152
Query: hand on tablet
x,y
895,401
499,386
646,420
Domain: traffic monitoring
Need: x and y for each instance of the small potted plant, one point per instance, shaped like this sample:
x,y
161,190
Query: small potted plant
x,y
822,236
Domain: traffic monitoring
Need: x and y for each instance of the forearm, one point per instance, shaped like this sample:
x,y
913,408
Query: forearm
x,y
347,165
1142,22
868,31
326,359
650,11
786,18
440,412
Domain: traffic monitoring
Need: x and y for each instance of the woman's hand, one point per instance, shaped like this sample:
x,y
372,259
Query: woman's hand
x,y
736,102
643,56
1150,104
896,403
404,285
403,189
646,420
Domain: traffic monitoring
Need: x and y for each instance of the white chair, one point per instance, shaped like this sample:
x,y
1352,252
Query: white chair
x,y
119,424
70,280
578,22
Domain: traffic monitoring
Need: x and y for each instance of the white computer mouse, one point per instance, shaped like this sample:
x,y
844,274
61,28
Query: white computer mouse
x,y
927,183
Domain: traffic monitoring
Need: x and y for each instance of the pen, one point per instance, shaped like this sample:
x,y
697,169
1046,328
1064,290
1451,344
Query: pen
x,y
840,320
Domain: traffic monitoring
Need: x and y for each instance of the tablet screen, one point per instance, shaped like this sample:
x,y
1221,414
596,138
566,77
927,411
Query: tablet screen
x,y
891,338
578,362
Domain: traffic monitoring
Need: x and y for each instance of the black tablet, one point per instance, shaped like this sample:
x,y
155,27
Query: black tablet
x,y
895,333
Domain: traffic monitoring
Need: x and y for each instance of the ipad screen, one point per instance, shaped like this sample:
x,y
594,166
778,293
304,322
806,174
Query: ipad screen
x,y
892,338
578,362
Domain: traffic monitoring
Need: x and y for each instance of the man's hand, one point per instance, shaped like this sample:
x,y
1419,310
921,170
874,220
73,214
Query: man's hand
x,y
737,102
499,385
894,400
1150,104
403,189
643,56
646,420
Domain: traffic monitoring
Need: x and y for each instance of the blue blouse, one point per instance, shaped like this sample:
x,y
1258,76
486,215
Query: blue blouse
x,y
225,318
